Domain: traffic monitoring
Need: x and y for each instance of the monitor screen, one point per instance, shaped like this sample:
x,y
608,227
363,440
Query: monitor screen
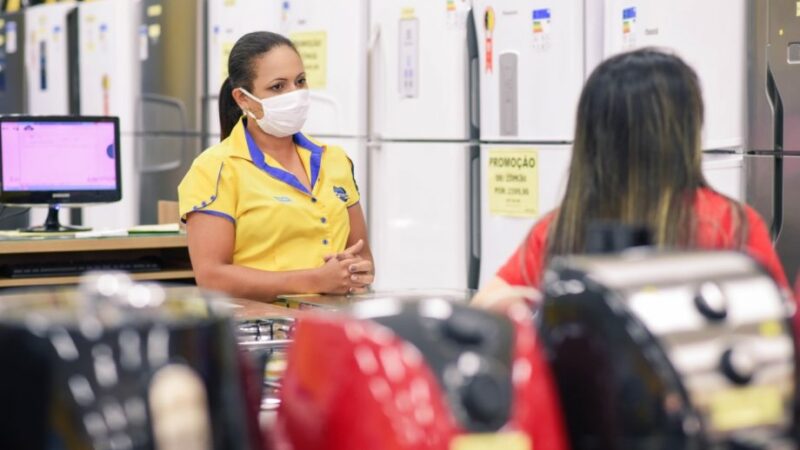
x,y
59,159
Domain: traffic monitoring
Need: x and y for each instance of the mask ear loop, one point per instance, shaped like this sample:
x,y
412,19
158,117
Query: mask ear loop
x,y
245,110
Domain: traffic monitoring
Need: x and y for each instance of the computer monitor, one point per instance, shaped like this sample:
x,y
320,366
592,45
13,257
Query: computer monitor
x,y
56,160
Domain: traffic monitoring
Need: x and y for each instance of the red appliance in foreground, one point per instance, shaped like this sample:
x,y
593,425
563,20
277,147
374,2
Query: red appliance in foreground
x,y
418,375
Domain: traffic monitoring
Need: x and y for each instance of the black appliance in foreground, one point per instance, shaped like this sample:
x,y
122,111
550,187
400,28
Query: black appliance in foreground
x,y
670,351
121,365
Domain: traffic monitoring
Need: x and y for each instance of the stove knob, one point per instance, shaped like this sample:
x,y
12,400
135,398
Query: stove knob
x,y
739,365
485,400
711,302
467,327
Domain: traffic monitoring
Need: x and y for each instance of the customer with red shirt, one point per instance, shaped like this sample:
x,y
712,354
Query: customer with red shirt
x,y
636,160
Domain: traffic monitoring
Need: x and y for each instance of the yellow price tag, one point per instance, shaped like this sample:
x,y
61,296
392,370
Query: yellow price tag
x,y
225,50
154,10
498,441
313,48
154,31
746,407
513,182
407,13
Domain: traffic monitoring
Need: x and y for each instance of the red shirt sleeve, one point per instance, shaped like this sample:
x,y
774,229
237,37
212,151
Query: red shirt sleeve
x,y
525,266
759,246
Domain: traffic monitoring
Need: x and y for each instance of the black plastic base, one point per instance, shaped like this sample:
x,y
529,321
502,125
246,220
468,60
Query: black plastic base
x,y
51,224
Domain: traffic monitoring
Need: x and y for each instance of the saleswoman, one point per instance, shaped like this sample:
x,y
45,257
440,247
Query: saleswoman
x,y
270,210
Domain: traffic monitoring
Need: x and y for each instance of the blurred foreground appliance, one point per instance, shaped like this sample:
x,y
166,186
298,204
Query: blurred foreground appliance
x,y
418,374
671,350
343,302
773,167
121,365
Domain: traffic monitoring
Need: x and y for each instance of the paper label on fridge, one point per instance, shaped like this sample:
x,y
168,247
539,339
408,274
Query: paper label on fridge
x,y
629,28
11,37
541,30
313,48
513,176
408,62
225,53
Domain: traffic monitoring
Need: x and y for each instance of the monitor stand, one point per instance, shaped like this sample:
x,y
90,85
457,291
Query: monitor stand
x,y
51,224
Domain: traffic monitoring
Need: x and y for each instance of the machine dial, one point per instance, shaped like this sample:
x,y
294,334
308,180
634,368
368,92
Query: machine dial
x,y
711,302
738,364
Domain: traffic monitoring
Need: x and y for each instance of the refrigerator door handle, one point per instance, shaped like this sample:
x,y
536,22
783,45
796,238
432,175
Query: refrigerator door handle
x,y
776,103
473,276
372,146
474,77
184,129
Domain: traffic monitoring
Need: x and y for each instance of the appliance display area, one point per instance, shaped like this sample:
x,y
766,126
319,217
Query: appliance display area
x,y
127,324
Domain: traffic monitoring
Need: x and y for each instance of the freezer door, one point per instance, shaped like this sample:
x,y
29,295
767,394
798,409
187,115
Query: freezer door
x,y
420,76
170,51
13,88
531,68
332,36
419,215
109,64
717,53
228,21
725,173
783,60
46,58
515,194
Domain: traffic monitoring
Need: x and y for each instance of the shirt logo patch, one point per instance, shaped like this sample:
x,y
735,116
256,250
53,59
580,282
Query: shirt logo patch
x,y
283,199
341,193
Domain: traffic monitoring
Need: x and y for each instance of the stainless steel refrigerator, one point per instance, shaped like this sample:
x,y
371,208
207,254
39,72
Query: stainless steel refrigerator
x,y
169,108
773,163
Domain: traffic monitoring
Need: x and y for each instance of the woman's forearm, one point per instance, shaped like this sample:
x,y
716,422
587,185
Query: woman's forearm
x,y
244,282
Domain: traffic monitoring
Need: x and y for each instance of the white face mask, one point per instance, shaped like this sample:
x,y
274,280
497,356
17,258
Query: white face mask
x,y
284,115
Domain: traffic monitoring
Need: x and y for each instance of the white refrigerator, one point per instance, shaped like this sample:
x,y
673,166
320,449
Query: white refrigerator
x,y
424,149
717,51
226,22
47,76
332,38
109,79
46,64
532,66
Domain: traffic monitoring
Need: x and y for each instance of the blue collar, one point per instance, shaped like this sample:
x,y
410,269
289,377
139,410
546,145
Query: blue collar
x,y
275,172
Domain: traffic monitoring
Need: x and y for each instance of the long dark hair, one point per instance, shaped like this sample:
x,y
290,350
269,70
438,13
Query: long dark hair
x,y
637,155
241,73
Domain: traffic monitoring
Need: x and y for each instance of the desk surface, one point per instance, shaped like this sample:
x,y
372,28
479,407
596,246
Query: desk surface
x,y
71,244
171,249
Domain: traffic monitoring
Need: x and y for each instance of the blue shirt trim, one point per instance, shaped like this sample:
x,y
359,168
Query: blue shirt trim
x,y
279,174
218,214
206,203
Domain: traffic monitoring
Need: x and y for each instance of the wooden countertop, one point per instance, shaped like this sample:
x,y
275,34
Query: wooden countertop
x,y
71,244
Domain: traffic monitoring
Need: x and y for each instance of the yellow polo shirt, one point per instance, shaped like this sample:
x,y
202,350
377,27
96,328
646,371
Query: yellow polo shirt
x,y
279,224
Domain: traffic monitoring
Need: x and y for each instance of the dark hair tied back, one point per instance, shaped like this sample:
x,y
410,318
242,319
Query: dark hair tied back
x,y
241,73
